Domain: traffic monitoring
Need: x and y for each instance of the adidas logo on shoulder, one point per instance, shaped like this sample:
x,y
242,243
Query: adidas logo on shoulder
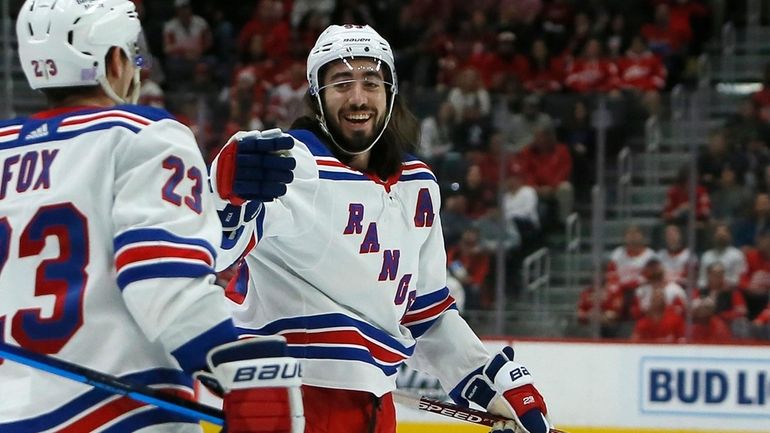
x,y
39,132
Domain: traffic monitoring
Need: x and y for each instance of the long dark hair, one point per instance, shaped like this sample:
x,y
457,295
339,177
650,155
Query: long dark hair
x,y
400,137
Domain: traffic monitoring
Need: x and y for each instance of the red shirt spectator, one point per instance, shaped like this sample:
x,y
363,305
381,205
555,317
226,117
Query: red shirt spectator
x,y
591,72
755,282
504,62
545,162
668,326
269,21
662,37
640,69
470,265
678,200
610,306
712,330
707,325
663,320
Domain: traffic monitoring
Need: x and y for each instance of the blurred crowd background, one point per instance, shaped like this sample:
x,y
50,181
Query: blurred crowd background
x,y
604,164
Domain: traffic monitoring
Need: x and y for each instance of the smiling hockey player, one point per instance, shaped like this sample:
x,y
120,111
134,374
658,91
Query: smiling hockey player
x,y
349,266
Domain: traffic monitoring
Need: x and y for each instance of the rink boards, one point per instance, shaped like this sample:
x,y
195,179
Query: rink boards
x,y
629,388
640,388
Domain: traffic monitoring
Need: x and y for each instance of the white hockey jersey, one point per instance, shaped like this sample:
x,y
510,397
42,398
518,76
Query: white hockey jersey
x,y
352,271
106,261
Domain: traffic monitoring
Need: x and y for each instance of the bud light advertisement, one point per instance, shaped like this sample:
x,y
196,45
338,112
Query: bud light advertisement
x,y
731,387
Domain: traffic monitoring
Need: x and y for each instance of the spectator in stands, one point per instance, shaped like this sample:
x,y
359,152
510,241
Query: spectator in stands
x,y
592,71
608,314
496,231
543,72
747,229
730,200
454,218
617,36
557,17
470,265
655,280
492,162
661,322
755,282
579,135
268,21
520,204
675,257
745,125
723,252
580,36
186,37
640,70
501,64
286,101
627,262
469,94
727,300
223,43
519,129
302,9
499,235
436,133
707,326
547,166
667,41
472,107
151,93
677,206
716,155
757,159
478,196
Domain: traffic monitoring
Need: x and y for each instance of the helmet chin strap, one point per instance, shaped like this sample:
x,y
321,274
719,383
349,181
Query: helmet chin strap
x,y
322,121
131,98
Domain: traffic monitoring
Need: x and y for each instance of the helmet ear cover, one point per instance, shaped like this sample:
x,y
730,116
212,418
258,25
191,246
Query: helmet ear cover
x,y
64,43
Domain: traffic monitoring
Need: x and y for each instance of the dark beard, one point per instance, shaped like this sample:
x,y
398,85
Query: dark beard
x,y
358,142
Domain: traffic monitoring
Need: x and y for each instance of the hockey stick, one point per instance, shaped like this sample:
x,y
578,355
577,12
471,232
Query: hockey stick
x,y
112,384
450,410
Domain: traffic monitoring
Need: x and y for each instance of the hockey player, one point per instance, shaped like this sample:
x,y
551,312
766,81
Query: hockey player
x,y
350,265
107,238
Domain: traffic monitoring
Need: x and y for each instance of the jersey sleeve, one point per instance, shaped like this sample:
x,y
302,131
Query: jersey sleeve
x,y
166,230
284,216
434,321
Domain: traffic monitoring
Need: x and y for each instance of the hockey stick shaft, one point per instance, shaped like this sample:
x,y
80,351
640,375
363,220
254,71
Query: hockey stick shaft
x,y
446,409
111,384
450,410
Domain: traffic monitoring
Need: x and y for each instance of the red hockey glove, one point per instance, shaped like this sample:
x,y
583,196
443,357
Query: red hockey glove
x,y
506,388
259,384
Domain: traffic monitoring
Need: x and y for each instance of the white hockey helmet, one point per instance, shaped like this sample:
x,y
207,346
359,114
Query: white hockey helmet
x,y
348,42
64,43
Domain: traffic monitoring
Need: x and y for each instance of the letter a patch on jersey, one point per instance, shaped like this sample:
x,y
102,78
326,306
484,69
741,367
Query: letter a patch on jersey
x,y
423,214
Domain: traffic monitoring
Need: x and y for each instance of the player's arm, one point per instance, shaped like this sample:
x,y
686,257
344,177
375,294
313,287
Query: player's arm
x,y
165,230
262,182
467,370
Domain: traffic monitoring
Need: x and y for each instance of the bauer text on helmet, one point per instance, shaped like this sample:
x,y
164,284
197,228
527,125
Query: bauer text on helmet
x,y
64,43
